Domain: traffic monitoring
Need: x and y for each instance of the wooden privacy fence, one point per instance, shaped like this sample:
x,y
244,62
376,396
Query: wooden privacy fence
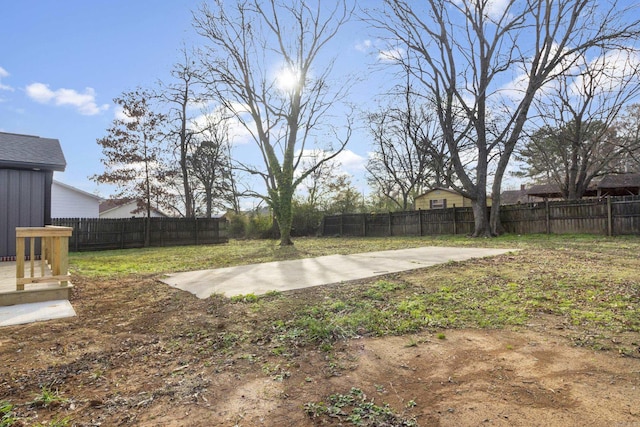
x,y
124,233
609,216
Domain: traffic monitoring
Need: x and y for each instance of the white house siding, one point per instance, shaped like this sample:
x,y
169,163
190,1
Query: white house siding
x,y
126,211
69,202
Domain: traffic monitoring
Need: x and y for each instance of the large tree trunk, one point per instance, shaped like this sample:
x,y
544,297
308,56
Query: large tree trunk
x,y
209,201
283,212
480,218
494,218
285,233
479,204
188,199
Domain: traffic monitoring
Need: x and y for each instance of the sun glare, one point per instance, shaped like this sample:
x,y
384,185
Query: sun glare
x,y
288,79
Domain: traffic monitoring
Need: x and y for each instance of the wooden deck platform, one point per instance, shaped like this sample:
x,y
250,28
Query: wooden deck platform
x,y
36,292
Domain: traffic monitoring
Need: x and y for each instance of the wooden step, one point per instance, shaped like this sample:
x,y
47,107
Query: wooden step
x,y
41,294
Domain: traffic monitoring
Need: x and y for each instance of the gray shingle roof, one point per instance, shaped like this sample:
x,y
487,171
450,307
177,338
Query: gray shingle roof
x,y
622,180
544,190
30,152
512,197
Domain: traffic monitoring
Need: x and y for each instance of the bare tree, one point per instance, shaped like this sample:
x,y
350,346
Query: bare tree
x,y
318,184
578,140
133,153
408,153
180,96
464,53
210,165
283,111
628,128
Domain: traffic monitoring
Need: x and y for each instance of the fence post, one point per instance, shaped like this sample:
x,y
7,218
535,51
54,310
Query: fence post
x,y
196,230
77,234
455,224
420,222
547,215
609,217
390,226
341,225
122,234
364,225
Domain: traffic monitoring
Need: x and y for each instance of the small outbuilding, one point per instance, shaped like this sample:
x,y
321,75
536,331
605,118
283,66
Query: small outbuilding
x,y
627,184
554,192
442,198
27,164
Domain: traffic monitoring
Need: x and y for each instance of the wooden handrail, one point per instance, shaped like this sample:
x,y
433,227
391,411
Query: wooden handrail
x,y
54,253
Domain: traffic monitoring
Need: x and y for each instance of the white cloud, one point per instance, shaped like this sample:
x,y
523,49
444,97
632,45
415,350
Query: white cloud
x,y
516,88
237,131
347,161
494,9
4,73
364,46
391,55
85,103
351,161
120,114
607,73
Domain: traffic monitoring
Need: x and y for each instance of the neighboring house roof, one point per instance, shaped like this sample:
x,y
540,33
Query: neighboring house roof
x,y
620,181
545,190
77,190
108,204
514,197
448,190
30,152
113,204
620,185
553,191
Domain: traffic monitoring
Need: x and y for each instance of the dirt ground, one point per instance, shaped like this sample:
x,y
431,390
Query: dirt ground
x,y
141,353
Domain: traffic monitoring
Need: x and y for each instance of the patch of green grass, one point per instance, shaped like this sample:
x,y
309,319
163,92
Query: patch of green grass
x,y
48,397
6,414
483,293
56,422
248,298
383,290
589,282
145,261
354,408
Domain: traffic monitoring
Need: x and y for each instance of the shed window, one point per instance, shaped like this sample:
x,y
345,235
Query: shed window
x,y
438,203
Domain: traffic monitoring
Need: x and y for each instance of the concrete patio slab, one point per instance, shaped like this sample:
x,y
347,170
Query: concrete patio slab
x,y
35,312
303,273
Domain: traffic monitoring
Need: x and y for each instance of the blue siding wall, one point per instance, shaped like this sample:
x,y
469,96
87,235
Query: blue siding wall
x,y
22,204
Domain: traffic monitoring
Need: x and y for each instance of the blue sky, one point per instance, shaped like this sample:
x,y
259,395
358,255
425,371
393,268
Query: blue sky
x,y
63,62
